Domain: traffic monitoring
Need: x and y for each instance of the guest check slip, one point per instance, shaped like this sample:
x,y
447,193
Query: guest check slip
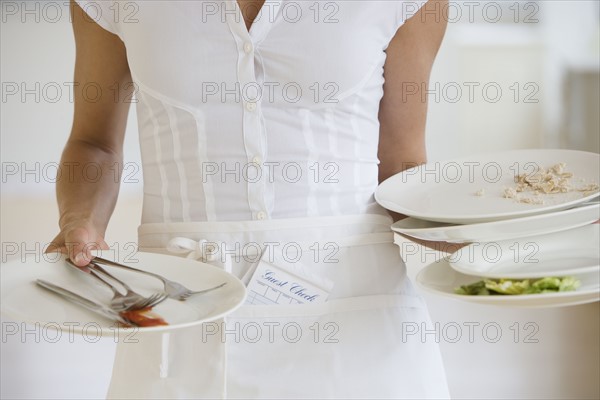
x,y
271,284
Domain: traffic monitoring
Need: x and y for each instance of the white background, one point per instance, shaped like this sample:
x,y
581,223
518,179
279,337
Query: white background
x,y
554,60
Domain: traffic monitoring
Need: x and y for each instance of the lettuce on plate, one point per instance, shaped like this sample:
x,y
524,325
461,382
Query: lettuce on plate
x,y
550,284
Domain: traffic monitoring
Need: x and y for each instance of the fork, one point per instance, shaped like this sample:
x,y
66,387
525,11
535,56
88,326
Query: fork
x,y
174,290
130,301
88,304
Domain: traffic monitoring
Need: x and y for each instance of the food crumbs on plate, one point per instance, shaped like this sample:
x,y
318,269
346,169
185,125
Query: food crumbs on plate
x,y
143,318
480,193
509,193
553,180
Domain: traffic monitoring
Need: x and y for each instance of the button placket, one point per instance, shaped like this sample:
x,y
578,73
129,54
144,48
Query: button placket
x,y
253,139
253,129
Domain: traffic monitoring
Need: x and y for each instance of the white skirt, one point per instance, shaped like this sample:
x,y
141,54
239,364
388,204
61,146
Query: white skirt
x,y
352,346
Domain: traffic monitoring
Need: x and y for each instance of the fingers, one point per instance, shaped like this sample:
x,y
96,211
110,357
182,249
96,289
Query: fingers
x,y
78,243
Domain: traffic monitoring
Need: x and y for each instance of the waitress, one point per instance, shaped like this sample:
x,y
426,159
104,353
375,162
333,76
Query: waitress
x,y
262,126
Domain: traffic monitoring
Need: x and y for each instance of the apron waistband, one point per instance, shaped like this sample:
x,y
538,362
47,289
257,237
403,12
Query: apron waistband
x,y
264,225
218,254
222,243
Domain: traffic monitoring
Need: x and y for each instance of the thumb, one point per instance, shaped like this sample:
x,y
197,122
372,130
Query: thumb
x,y
80,243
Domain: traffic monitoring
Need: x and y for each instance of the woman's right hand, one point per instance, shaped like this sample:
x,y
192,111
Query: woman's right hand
x,y
77,240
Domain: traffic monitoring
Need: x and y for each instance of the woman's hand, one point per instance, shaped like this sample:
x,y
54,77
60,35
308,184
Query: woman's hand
x,y
445,247
77,239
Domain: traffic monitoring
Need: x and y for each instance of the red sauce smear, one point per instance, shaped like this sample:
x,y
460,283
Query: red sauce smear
x,y
143,318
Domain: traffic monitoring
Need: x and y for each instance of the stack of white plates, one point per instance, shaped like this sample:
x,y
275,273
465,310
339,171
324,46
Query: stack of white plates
x,y
461,201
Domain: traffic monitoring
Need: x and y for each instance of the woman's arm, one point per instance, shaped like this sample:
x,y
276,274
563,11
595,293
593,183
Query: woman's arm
x,y
402,115
403,112
91,162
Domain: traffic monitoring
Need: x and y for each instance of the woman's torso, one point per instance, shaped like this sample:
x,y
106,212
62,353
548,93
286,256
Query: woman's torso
x,y
277,122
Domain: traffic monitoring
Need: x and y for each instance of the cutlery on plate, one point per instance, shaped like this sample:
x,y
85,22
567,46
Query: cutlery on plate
x,y
83,302
174,290
131,300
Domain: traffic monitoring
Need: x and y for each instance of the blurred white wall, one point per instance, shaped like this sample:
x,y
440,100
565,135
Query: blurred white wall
x,y
528,52
520,80
37,105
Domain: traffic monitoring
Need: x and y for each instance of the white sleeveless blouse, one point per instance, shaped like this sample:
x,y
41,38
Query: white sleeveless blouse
x,y
278,122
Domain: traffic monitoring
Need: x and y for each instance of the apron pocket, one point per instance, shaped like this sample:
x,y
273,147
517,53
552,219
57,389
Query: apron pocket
x,y
353,347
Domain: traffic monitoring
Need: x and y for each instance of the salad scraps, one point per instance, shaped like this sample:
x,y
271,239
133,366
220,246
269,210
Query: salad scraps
x,y
488,287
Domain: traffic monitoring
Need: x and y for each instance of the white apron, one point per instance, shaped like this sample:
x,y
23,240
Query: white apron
x,y
348,347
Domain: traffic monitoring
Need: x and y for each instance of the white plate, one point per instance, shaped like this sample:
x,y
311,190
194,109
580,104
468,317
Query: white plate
x,y
499,230
445,191
23,300
440,279
564,253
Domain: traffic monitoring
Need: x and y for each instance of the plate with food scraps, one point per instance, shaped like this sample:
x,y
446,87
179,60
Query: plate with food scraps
x,y
440,279
494,186
569,252
515,228
22,300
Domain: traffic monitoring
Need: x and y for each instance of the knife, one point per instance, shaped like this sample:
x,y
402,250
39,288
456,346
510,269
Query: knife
x,y
83,302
